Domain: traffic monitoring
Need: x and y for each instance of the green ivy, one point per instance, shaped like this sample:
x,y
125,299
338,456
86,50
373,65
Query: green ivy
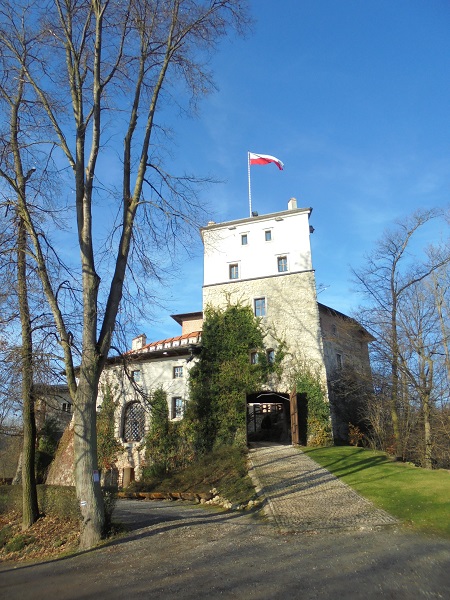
x,y
107,446
48,438
157,439
167,445
318,420
224,375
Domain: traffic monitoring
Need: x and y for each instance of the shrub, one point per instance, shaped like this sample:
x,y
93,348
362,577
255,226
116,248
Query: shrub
x,y
11,498
48,438
109,501
6,533
19,542
107,445
55,500
355,435
58,500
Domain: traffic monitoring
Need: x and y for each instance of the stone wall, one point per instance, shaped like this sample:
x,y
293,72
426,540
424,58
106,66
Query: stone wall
x,y
345,338
61,470
153,373
292,315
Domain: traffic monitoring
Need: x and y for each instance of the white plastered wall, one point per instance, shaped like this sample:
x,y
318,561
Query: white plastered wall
x,y
291,301
153,374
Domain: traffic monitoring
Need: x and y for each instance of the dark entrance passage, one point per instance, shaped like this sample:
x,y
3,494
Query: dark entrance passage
x,y
268,418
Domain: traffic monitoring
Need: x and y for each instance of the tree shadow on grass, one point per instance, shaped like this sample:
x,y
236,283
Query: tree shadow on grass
x,y
363,463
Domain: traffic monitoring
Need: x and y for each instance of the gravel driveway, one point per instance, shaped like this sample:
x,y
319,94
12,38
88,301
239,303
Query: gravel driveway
x,y
182,550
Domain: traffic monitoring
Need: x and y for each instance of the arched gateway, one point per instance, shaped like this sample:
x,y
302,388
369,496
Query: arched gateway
x,y
276,417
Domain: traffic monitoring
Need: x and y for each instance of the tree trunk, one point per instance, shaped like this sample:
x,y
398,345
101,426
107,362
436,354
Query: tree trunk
x,y
87,483
428,463
30,502
395,377
426,407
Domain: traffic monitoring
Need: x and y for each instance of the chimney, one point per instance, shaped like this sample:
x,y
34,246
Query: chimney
x,y
292,204
139,342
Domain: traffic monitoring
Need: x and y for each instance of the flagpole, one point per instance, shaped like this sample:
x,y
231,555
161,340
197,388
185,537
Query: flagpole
x,y
249,185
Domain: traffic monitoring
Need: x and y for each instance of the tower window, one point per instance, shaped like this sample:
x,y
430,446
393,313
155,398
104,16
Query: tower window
x,y
260,307
268,235
234,271
282,264
244,239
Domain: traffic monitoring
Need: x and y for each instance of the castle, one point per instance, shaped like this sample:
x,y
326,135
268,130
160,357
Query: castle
x,y
263,261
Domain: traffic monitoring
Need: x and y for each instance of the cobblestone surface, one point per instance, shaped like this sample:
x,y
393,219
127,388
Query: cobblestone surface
x,y
300,495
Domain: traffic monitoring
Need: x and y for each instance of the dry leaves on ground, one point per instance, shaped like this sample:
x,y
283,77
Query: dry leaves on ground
x,y
49,537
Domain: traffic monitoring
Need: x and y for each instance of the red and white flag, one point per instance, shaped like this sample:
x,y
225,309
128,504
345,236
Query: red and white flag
x,y
264,159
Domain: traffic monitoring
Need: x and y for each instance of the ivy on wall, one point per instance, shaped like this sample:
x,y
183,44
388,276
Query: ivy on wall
x,y
48,438
162,442
108,446
224,375
318,409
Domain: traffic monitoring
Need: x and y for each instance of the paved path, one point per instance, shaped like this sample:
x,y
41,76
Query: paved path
x,y
303,496
332,548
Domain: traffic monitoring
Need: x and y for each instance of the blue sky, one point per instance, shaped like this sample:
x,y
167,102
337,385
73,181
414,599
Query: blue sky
x,y
354,97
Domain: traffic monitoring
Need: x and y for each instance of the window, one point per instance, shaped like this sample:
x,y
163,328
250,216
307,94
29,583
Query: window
x,y
136,375
67,407
244,239
260,307
271,356
339,361
177,372
282,264
254,358
234,271
177,408
134,422
268,235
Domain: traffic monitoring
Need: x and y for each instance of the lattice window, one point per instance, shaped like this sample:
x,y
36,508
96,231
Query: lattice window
x,y
282,264
134,422
177,408
177,372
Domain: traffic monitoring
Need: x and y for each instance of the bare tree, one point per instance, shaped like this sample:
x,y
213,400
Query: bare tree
x,y
30,511
439,288
419,348
389,274
100,56
16,170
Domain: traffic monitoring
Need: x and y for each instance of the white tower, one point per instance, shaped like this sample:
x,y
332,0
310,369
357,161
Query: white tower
x,y
265,262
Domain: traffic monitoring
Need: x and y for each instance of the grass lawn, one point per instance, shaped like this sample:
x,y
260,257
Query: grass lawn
x,y
418,497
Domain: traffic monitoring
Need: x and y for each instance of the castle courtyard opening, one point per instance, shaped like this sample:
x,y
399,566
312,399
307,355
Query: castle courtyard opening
x,y
268,418
275,417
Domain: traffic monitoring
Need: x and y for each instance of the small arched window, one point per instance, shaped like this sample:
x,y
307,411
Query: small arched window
x,y
134,422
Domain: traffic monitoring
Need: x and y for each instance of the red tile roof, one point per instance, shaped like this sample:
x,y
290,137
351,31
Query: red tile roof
x,y
174,342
